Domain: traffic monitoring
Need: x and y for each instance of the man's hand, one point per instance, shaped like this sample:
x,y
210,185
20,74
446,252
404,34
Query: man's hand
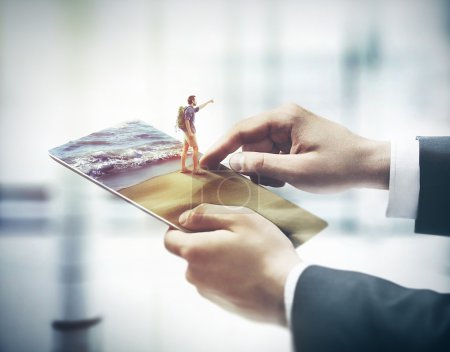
x,y
291,144
238,259
201,106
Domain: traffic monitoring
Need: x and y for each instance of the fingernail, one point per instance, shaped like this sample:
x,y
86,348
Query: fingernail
x,y
237,162
183,217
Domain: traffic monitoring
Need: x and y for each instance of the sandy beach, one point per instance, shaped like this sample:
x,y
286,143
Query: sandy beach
x,y
170,194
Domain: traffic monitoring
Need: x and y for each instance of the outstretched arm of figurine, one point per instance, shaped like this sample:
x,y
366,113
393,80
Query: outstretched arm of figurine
x,y
291,144
201,106
238,259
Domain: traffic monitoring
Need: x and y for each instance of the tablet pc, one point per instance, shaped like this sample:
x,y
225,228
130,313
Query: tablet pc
x,y
140,164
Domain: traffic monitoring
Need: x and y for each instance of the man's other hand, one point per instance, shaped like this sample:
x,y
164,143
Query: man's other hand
x,y
237,259
291,144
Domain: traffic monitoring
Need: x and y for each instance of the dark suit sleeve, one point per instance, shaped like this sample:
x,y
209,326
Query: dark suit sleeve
x,y
433,213
337,310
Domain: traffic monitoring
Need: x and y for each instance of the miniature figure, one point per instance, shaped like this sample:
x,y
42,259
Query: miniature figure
x,y
186,123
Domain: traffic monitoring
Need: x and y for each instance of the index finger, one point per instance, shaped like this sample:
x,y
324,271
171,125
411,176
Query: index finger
x,y
250,130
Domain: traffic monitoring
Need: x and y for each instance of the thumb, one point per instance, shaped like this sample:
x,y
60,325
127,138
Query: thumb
x,y
211,217
276,166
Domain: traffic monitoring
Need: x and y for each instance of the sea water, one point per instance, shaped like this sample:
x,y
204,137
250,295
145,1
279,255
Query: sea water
x,y
123,155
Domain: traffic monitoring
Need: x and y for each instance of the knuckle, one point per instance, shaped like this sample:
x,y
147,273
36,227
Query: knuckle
x,y
193,218
291,110
248,219
241,123
290,107
258,162
196,215
190,277
168,243
184,252
239,129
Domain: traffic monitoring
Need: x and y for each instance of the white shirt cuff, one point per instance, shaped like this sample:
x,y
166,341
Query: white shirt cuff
x,y
404,181
289,289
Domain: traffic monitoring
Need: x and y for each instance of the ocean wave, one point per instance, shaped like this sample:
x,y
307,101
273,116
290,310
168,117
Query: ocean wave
x,y
144,135
127,146
107,162
79,144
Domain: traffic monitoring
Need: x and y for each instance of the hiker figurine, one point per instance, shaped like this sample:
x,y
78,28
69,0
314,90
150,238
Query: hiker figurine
x,y
186,123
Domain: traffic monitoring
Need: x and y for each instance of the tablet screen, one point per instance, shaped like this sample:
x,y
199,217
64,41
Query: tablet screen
x,y
141,164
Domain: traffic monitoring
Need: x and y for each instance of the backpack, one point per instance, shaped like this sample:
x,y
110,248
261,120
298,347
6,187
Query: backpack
x,y
180,119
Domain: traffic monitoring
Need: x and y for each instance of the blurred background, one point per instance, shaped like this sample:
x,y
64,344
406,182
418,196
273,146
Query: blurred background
x,y
81,270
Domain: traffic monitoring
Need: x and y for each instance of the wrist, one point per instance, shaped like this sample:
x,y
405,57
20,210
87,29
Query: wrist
x,y
280,276
375,164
